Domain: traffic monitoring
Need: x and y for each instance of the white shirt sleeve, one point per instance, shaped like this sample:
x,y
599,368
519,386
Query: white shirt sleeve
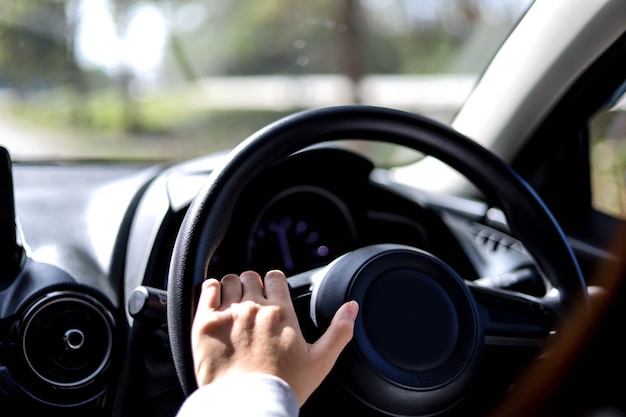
x,y
242,395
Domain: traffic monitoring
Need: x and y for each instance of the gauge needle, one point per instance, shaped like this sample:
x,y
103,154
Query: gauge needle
x,y
283,242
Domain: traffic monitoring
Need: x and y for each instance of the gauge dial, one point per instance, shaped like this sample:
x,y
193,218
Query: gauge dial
x,y
300,229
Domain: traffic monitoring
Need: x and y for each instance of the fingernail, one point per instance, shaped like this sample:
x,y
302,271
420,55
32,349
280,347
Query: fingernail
x,y
353,309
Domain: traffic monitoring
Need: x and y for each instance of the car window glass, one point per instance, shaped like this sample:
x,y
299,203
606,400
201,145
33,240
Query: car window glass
x,y
608,158
179,78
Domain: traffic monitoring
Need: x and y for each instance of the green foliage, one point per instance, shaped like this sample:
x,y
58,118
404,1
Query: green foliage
x,y
33,49
608,162
100,116
296,37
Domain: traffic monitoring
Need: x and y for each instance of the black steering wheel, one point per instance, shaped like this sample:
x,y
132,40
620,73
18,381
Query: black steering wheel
x,y
421,335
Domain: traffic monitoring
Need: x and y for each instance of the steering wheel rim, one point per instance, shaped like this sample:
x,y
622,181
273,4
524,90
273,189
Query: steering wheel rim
x,y
206,221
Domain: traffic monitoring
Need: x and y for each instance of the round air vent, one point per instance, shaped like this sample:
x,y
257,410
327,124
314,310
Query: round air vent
x,y
64,348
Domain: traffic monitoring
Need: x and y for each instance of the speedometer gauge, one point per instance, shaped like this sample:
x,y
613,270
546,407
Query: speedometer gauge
x,y
300,229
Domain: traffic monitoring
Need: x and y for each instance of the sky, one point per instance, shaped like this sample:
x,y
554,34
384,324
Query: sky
x,y
139,48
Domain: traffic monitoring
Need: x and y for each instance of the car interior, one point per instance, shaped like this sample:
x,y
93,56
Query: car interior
x,y
500,293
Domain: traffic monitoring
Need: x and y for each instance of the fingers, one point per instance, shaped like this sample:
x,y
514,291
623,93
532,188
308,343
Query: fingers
x,y
276,287
328,347
252,286
211,296
236,288
232,289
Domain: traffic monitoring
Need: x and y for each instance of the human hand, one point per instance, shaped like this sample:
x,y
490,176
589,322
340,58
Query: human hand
x,y
243,325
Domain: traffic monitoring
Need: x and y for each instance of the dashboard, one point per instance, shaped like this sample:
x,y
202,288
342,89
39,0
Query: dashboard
x,y
295,216
304,212
109,229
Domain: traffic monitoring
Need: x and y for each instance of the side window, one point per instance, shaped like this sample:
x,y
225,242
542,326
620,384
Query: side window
x,y
608,157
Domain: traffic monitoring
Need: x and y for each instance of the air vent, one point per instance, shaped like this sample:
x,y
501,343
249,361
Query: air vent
x,y
492,240
64,348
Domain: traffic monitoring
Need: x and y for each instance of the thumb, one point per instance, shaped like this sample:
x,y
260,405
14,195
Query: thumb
x,y
328,347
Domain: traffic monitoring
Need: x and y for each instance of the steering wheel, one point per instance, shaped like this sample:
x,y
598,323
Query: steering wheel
x,y
421,335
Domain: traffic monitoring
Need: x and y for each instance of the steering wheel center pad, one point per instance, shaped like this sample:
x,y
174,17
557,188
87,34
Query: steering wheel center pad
x,y
418,336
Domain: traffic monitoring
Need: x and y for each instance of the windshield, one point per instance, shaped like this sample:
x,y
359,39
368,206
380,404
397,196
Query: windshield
x,y
167,80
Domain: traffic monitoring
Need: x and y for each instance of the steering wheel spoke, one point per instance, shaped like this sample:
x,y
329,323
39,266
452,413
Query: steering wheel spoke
x,y
513,319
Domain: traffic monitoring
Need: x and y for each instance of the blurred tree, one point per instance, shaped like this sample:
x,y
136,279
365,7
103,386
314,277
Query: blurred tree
x,y
353,38
131,116
271,37
350,52
32,34
350,37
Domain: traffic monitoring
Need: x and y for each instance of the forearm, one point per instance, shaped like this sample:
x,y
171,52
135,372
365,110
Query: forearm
x,y
242,395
